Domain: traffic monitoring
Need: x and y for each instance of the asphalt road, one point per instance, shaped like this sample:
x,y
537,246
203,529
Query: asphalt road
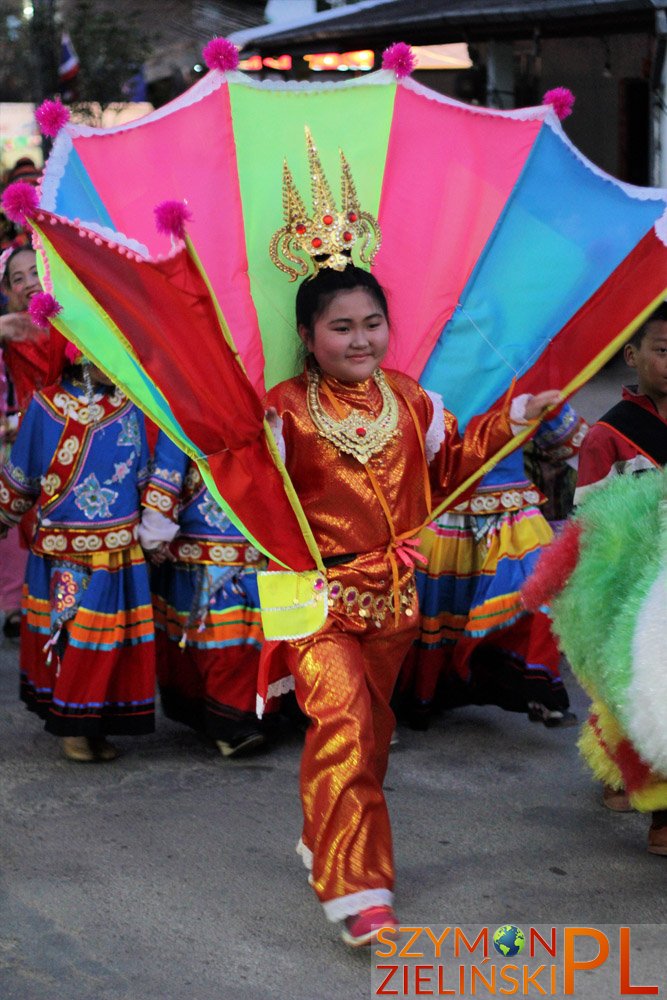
x,y
170,874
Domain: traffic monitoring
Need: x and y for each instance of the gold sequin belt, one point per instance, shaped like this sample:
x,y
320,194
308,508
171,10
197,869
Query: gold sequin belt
x,y
369,605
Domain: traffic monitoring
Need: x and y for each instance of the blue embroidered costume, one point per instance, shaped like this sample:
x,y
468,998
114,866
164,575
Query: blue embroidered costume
x,y
206,603
87,648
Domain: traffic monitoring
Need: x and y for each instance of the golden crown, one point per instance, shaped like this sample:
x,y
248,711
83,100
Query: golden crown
x,y
328,237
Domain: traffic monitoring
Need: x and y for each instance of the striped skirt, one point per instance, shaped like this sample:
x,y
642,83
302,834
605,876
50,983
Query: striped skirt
x,y
209,635
87,644
477,643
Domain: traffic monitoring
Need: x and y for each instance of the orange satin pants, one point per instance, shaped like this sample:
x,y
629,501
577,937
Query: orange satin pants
x,y
344,679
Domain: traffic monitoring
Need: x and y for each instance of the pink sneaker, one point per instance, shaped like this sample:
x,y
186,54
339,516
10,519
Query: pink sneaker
x,y
362,928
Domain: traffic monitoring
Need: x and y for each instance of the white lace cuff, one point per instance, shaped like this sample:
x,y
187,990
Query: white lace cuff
x,y
518,412
355,902
277,431
155,528
435,434
305,854
281,686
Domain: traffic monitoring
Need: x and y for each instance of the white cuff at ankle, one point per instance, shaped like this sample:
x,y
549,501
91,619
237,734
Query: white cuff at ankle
x,y
348,906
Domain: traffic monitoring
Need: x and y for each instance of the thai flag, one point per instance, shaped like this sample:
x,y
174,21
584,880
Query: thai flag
x,y
69,60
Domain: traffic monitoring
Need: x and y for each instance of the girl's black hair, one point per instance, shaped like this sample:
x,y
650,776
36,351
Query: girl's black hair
x,y
15,252
315,293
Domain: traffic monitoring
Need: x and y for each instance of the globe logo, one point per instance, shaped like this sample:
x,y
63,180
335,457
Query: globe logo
x,y
509,940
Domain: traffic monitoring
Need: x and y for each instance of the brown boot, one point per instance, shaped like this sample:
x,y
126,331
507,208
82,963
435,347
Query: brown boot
x,y
102,749
657,833
616,799
77,748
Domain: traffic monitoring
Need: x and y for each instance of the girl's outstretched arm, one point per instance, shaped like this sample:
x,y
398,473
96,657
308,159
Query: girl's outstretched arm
x,y
461,455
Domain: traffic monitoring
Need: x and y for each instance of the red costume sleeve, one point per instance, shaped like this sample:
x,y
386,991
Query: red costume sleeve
x,y
28,363
462,455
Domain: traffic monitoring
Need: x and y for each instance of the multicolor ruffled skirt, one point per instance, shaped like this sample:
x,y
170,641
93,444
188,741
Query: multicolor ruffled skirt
x,y
209,636
477,643
87,644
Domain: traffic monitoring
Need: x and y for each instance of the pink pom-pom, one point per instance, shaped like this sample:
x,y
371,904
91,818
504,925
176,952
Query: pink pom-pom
x,y
561,99
72,353
220,54
554,568
171,217
20,200
399,58
51,116
42,308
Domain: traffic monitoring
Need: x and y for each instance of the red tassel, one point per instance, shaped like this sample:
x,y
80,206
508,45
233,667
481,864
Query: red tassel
x,y
220,54
20,200
42,308
51,116
554,568
171,217
399,58
561,99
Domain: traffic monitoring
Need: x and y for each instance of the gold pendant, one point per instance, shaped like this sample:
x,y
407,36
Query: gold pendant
x,y
358,434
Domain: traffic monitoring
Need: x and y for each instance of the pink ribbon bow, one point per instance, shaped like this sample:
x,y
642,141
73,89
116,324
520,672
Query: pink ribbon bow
x,y
405,550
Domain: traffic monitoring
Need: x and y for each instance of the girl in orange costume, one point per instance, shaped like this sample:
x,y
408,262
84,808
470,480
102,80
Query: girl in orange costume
x,y
369,453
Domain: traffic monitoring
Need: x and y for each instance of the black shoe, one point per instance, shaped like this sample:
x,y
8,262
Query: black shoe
x,y
11,628
552,719
419,718
241,744
560,720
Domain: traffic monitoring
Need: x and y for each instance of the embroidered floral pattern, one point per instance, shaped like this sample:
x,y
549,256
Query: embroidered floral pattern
x,y
64,589
212,514
68,584
161,501
129,433
19,477
122,469
93,499
77,409
51,484
172,476
193,479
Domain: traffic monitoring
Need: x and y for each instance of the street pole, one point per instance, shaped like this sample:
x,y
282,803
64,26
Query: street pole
x,y
45,52
45,49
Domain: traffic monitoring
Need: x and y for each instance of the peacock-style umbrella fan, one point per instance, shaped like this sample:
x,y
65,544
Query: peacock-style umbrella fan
x,y
507,256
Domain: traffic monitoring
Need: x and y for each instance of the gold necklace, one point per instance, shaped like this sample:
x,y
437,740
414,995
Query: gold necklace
x,y
358,434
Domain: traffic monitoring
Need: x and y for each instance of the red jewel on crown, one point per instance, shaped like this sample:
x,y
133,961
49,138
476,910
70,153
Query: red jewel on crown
x,y
328,236
361,432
